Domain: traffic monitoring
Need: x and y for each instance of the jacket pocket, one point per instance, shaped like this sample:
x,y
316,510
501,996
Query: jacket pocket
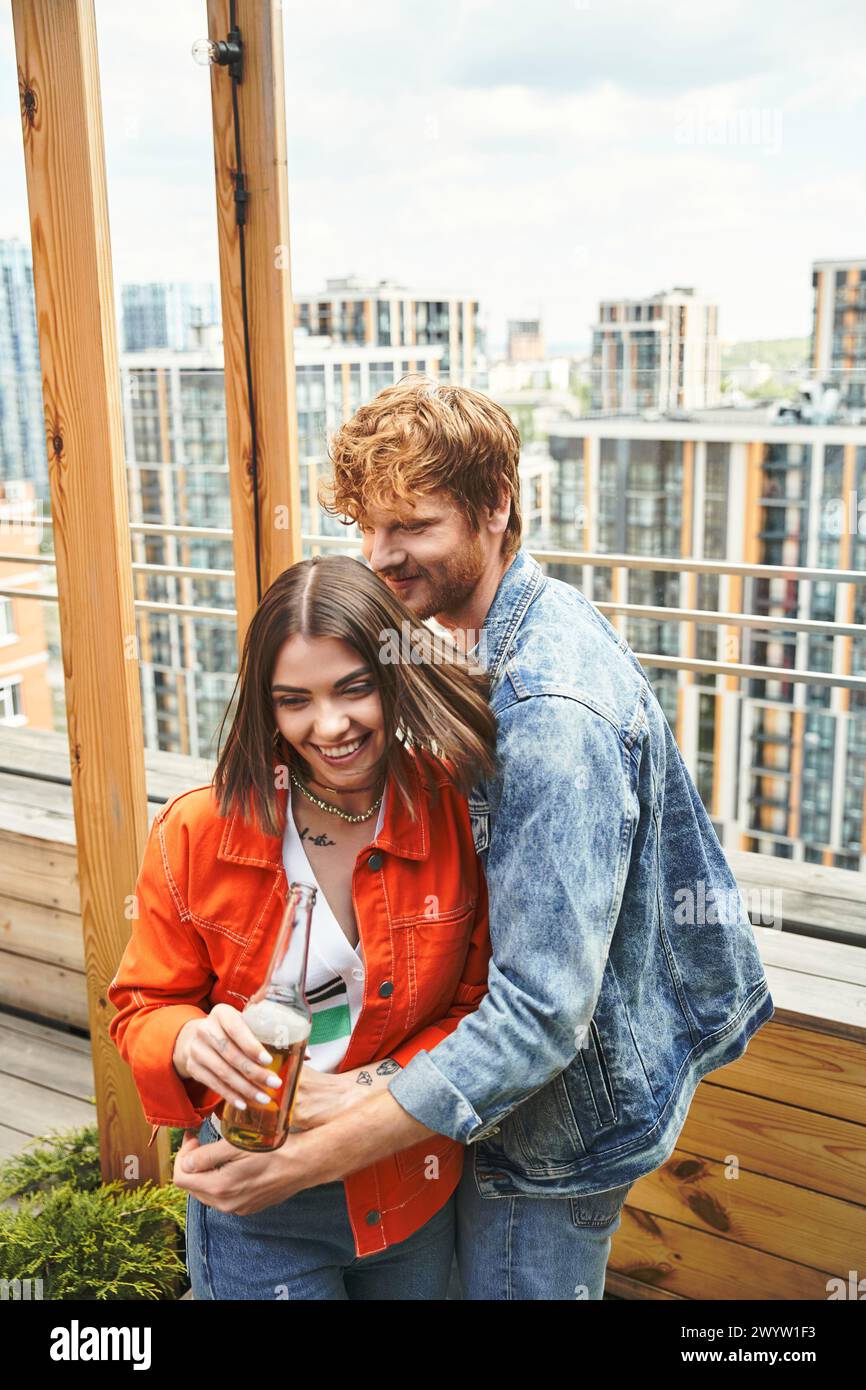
x,y
430,956
598,1078
542,1135
556,1126
439,931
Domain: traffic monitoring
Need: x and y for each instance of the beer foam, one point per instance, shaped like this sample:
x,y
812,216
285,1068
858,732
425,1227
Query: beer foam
x,y
275,1024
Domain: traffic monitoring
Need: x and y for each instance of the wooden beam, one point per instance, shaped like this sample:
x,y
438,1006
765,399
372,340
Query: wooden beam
x,y
261,107
58,75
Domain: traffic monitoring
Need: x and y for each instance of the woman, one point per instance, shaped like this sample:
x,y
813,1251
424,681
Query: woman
x,y
355,740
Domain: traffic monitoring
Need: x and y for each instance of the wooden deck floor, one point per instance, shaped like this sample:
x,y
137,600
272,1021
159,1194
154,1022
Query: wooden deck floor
x,y
46,1081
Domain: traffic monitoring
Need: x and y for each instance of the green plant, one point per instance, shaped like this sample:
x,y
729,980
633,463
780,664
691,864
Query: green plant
x,y
86,1239
70,1155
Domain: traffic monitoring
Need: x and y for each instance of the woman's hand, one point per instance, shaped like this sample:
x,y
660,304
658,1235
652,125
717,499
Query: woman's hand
x,y
224,1054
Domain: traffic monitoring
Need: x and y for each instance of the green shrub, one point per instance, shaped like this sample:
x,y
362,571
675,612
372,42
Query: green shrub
x,y
83,1238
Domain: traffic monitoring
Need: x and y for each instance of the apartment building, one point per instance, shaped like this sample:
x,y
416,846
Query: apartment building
x,y
778,763
29,694
22,426
660,353
167,314
525,340
386,314
838,342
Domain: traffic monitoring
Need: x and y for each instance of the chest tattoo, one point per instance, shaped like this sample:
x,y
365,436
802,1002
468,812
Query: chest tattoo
x,y
320,840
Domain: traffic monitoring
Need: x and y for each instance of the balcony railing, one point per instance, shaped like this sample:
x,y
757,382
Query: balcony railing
x,y
588,559
162,709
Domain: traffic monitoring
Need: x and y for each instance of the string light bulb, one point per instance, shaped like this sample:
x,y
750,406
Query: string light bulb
x,y
204,51
224,53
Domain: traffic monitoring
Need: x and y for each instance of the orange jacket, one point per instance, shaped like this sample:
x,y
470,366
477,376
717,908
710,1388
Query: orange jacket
x,y
210,895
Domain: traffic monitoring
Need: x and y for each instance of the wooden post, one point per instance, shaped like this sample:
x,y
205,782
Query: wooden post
x,y
58,76
261,107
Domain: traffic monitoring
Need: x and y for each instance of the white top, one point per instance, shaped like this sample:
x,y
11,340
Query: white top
x,y
335,970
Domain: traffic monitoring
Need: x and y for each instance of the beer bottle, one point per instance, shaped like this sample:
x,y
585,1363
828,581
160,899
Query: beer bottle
x,y
281,1018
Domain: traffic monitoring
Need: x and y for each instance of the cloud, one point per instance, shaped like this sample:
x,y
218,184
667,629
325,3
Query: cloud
x,y
546,155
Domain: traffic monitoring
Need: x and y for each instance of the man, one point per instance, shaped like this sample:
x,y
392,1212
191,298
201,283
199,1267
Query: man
x,y
624,965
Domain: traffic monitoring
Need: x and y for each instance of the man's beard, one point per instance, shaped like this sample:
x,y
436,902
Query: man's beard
x,y
448,590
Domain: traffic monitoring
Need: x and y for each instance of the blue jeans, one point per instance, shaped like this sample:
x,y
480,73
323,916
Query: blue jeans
x,y
542,1248
303,1248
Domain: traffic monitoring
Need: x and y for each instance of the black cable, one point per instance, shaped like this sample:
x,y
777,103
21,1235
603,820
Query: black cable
x,y
241,200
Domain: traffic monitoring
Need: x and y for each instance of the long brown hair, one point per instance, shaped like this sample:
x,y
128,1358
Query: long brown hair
x,y
432,697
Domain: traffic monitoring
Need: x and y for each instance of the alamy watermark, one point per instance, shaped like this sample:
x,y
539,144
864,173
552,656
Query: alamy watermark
x,y
757,126
704,905
28,1290
841,517
416,645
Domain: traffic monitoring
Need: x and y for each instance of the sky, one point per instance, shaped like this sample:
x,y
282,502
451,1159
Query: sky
x,y
541,156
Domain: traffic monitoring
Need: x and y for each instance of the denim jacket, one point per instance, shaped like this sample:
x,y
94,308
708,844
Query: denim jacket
x,y
624,963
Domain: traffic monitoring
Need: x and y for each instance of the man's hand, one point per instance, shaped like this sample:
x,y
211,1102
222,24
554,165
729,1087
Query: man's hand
x,y
233,1180
322,1096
